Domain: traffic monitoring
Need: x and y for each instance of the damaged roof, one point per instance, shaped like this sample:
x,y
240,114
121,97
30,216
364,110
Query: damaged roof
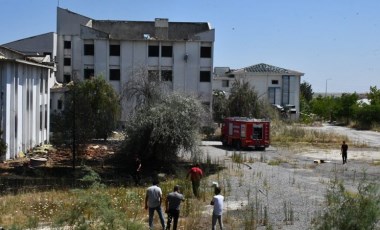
x,y
265,68
134,30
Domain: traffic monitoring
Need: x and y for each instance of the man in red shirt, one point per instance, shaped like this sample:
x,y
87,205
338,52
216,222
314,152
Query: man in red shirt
x,y
195,174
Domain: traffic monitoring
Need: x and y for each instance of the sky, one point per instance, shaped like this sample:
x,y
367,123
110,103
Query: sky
x,y
335,43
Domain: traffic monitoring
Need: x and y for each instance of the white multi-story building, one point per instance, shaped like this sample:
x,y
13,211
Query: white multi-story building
x,y
180,53
24,101
277,85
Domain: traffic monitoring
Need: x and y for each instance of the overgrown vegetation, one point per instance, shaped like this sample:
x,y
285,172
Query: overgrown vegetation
x,y
344,109
163,123
350,210
91,110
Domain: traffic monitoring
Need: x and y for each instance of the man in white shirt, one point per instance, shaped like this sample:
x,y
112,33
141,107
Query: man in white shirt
x,y
217,201
153,199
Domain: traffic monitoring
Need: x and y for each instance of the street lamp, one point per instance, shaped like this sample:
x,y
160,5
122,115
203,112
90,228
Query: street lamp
x,y
326,86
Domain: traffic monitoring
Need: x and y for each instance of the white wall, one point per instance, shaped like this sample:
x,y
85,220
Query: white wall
x,y
21,106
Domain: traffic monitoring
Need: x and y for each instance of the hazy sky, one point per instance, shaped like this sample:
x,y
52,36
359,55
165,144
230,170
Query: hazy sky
x,y
333,41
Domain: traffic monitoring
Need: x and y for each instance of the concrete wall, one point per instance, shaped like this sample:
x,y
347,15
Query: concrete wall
x,y
133,56
24,105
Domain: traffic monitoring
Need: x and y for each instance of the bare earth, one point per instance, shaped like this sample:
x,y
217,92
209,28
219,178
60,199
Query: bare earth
x,y
287,183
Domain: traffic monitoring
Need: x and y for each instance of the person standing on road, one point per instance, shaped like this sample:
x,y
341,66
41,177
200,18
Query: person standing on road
x,y
195,174
153,199
217,201
343,150
173,201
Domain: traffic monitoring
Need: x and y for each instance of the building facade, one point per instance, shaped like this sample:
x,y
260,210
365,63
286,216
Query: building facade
x,y
277,85
179,53
24,101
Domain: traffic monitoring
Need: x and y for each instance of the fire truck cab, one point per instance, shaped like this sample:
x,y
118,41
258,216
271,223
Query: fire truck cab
x,y
243,132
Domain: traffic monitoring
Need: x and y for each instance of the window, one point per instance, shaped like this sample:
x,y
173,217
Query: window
x,y
289,84
114,50
153,51
167,75
66,78
205,52
167,51
225,83
274,82
205,76
67,61
60,104
89,49
152,75
88,73
114,74
67,44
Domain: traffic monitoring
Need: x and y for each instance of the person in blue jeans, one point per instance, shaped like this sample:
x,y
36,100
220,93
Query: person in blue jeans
x,y
217,201
153,200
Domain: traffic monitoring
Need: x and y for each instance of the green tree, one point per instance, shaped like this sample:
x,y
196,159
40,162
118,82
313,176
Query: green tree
x,y
219,105
306,91
243,100
374,95
323,107
345,106
158,131
162,122
91,110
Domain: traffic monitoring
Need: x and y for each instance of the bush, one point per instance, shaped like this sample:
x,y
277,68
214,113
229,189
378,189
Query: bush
x,y
347,210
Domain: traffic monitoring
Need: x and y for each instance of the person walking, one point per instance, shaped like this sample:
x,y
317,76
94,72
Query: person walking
x,y
153,199
172,204
343,150
195,174
217,201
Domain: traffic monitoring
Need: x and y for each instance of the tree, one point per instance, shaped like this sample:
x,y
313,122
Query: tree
x,y
163,124
91,110
243,100
306,91
158,131
323,107
219,105
345,106
374,95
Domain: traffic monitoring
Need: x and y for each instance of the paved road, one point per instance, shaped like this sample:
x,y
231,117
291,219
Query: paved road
x,y
371,138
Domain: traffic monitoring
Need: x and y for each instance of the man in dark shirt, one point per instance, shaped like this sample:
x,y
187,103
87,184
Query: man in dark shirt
x,y
344,149
173,201
137,170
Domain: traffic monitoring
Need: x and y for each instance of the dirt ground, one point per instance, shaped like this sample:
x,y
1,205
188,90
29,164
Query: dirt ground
x,y
286,186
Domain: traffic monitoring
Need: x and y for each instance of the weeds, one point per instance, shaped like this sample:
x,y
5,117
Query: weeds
x,y
349,210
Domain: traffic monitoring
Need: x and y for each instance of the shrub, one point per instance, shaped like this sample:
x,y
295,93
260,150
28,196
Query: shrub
x,y
347,210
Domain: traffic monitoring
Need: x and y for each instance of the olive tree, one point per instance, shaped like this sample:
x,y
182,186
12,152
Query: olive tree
x,y
163,122
243,100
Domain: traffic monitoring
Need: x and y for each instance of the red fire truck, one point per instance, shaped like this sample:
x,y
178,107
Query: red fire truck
x,y
241,132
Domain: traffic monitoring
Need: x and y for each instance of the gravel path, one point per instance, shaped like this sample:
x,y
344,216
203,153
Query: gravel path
x,y
286,184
